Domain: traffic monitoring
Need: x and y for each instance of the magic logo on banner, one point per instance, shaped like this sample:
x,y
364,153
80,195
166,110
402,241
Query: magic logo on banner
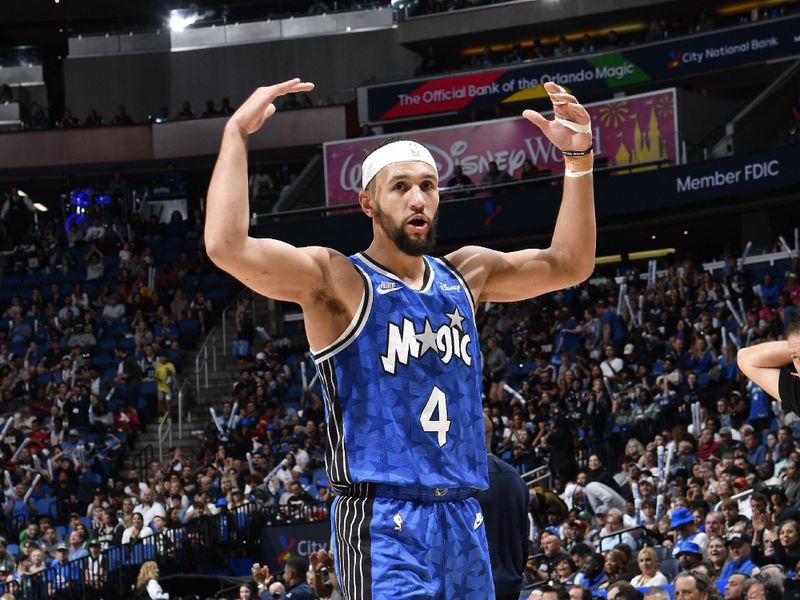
x,y
658,61
630,130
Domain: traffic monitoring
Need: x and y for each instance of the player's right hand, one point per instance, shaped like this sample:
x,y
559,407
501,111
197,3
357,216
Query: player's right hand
x,y
259,107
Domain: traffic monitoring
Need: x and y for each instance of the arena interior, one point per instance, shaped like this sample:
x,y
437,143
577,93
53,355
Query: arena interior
x,y
158,417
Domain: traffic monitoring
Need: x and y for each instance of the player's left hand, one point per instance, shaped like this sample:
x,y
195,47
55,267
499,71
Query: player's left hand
x,y
566,107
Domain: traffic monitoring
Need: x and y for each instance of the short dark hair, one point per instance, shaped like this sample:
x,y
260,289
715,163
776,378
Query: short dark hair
x,y
585,593
794,326
560,591
298,565
582,549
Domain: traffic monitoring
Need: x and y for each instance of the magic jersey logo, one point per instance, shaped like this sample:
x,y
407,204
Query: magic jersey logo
x,y
404,342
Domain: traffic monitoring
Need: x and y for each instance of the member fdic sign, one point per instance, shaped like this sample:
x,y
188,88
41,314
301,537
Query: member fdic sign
x,y
634,129
614,69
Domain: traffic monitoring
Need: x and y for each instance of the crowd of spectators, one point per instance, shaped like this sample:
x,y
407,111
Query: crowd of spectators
x,y
517,51
93,324
603,384
627,391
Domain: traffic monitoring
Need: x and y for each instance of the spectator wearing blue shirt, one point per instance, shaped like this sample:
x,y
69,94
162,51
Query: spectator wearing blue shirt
x,y
592,575
739,547
770,290
294,576
756,452
75,548
58,576
613,327
19,508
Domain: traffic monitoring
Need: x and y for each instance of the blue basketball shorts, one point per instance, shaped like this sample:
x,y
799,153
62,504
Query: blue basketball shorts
x,y
411,548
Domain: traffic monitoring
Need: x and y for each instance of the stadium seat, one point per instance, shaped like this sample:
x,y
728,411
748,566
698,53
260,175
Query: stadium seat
x,y
669,567
45,506
106,345
103,361
148,389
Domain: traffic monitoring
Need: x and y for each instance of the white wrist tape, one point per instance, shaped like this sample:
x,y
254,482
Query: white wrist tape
x,y
400,151
574,174
576,127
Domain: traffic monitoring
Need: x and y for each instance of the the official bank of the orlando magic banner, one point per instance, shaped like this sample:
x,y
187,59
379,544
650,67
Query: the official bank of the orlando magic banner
x,y
661,61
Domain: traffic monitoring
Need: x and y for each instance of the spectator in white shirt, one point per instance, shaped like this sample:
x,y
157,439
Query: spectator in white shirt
x,y
149,508
612,365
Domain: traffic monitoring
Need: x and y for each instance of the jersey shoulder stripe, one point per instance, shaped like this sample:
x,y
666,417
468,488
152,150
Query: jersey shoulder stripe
x,y
457,274
355,326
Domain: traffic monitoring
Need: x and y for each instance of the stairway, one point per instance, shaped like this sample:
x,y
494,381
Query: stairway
x,y
196,407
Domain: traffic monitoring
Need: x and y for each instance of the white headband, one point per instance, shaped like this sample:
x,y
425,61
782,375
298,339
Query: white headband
x,y
402,151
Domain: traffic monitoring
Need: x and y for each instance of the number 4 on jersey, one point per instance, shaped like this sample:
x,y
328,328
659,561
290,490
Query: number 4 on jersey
x,y
436,402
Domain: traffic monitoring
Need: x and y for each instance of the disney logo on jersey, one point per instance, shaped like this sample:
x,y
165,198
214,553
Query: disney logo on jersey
x,y
449,288
404,342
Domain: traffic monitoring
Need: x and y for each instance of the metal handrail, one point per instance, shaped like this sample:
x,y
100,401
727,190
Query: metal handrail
x,y
534,476
164,433
203,353
181,393
738,497
326,210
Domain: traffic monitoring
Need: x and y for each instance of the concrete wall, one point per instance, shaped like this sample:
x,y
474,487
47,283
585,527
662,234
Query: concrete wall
x,y
201,137
337,64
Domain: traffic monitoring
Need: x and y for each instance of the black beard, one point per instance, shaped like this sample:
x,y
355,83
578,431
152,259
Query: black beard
x,y
405,243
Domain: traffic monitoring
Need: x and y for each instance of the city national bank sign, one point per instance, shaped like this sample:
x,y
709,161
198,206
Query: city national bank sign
x,y
281,543
661,61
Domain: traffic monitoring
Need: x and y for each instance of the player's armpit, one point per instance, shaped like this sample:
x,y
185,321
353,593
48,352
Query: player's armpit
x,y
513,276
284,272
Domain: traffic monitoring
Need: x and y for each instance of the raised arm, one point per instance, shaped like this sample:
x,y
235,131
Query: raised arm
x,y
512,276
762,363
268,266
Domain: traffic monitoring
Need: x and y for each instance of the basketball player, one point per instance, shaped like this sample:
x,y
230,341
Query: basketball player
x,y
393,336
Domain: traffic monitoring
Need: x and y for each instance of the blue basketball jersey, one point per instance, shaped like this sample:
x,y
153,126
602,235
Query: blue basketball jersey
x,y
402,384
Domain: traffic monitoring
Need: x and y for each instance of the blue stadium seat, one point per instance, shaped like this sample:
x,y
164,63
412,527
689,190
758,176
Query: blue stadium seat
x,y
106,345
148,389
13,549
11,281
669,567
174,357
188,332
103,361
44,378
127,344
45,506
218,296
211,281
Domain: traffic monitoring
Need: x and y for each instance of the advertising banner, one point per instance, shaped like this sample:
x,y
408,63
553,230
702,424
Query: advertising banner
x,y
513,212
630,130
279,544
611,70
